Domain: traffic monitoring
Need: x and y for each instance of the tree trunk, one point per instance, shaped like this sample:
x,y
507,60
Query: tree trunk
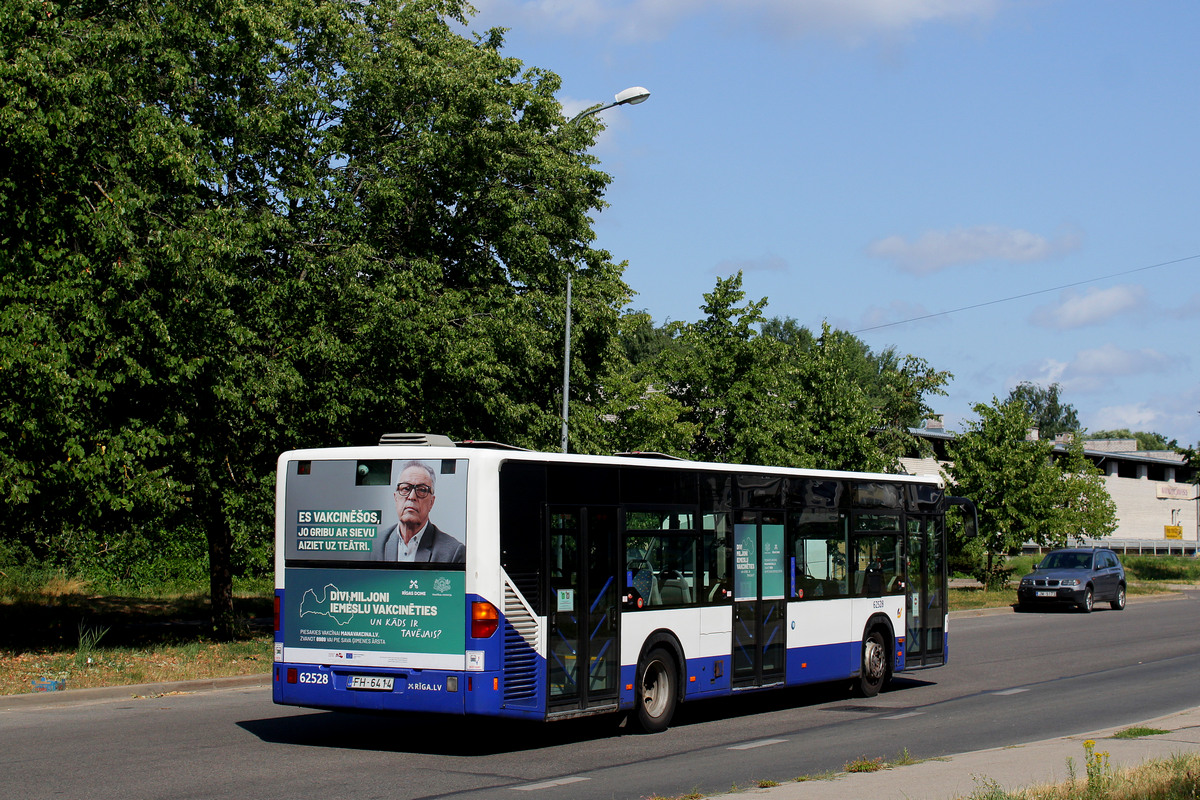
x,y
220,576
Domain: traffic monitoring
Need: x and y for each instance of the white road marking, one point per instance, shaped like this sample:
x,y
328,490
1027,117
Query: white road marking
x,y
531,787
759,743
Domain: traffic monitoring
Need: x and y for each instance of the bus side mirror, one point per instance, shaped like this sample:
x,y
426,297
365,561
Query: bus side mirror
x,y
969,514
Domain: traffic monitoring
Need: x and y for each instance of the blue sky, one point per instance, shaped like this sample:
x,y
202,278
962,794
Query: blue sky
x,y
869,162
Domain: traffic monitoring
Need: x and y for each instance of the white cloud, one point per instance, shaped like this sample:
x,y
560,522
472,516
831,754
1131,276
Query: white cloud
x,y
893,313
1077,309
938,250
649,20
767,263
855,19
1133,416
1096,369
1189,309
1113,361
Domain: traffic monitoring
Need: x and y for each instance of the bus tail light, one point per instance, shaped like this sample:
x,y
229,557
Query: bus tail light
x,y
485,619
277,612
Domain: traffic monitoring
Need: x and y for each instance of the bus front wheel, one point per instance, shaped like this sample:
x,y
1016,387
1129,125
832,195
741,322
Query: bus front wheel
x,y
657,690
874,669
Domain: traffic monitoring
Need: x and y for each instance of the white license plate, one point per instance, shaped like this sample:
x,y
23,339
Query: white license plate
x,y
1047,594
374,682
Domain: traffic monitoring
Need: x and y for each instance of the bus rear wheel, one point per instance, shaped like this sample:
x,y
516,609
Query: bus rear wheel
x,y
657,690
874,671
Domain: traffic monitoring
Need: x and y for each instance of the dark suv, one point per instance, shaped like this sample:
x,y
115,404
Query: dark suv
x,y
1079,575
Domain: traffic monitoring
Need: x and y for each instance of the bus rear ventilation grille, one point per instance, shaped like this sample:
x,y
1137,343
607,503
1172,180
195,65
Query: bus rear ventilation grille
x,y
416,440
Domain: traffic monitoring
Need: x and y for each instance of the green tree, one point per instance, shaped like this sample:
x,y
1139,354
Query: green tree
x,y
1010,478
1021,491
240,227
1046,410
829,418
887,392
1083,508
750,389
726,380
642,340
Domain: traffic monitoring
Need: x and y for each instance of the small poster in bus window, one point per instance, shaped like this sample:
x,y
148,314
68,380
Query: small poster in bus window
x,y
745,562
772,562
392,511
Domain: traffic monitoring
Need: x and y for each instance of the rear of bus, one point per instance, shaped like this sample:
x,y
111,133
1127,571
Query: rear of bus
x,y
372,609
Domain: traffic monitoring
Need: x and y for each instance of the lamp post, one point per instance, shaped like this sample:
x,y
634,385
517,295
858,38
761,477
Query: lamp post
x,y
630,97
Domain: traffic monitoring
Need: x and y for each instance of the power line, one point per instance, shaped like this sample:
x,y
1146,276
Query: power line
x,y
1026,294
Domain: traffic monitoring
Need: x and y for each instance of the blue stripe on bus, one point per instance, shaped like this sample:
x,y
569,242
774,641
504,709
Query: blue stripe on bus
x,y
822,662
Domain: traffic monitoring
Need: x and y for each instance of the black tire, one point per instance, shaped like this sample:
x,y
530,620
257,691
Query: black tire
x,y
1088,602
875,666
1118,602
656,690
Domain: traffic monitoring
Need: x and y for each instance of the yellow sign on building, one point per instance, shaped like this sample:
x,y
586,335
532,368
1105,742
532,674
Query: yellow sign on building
x,y
1172,531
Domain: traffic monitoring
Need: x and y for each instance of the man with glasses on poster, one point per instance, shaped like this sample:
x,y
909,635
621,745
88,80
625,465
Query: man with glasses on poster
x,y
414,538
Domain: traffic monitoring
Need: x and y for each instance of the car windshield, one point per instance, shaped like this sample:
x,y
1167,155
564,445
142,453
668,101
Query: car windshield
x,y
1067,561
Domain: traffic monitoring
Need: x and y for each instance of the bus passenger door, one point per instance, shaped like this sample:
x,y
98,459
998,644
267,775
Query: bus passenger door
x,y
925,637
581,591
759,646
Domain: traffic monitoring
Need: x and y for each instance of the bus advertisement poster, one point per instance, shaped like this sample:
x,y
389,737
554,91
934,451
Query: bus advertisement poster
x,y
368,510
383,617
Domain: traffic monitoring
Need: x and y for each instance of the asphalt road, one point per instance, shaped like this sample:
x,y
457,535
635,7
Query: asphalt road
x,y
1012,678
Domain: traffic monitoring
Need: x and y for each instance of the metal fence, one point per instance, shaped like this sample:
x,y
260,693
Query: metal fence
x,y
1133,547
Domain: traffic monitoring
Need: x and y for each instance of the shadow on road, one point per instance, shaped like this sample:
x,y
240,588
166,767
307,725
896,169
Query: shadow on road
x,y
482,736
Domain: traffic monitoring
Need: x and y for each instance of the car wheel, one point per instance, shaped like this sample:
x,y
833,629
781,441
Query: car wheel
x,y
874,670
657,691
1088,601
1118,602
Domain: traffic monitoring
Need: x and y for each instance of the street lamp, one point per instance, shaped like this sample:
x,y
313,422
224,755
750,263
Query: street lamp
x,y
630,97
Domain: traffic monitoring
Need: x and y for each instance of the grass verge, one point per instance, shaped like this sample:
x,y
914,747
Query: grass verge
x,y
1173,778
61,635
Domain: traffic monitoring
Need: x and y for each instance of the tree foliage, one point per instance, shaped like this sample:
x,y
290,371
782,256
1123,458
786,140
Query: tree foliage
x,y
1046,410
235,227
759,390
1083,508
1021,492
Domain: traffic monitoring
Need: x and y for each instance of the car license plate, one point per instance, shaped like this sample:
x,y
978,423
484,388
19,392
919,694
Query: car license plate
x,y
1047,594
373,682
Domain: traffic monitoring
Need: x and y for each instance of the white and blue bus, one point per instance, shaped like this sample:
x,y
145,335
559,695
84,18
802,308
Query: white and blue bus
x,y
424,576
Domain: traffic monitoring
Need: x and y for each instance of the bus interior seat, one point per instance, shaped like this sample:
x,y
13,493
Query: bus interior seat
x,y
675,589
646,583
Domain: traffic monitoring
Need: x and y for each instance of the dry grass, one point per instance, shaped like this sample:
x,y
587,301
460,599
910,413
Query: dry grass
x,y
121,666
59,631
